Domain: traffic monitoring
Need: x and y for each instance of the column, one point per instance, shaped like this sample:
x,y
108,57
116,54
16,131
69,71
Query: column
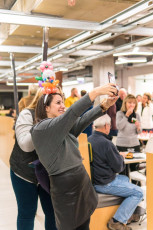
x,y
101,67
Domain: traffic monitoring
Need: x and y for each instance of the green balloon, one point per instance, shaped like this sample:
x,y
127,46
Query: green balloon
x,y
39,78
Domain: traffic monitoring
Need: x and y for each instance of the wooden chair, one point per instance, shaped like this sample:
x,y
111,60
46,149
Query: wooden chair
x,y
107,204
6,138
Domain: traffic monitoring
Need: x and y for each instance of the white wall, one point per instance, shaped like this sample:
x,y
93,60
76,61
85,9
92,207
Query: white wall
x,y
137,85
142,87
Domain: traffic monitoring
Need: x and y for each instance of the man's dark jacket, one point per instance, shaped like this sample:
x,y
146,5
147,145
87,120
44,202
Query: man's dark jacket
x,y
106,159
118,104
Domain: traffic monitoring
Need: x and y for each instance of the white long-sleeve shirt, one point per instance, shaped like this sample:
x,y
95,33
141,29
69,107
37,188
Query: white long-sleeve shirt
x,y
22,130
146,116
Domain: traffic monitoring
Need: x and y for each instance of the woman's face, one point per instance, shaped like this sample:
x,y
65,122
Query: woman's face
x,y
130,104
144,99
56,107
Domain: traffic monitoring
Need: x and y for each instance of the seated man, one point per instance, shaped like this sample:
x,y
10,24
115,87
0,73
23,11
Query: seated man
x,y
107,161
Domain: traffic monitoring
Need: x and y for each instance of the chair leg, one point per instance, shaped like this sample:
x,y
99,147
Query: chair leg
x,y
142,218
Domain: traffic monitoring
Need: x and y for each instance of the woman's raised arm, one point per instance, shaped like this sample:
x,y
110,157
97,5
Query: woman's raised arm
x,y
108,89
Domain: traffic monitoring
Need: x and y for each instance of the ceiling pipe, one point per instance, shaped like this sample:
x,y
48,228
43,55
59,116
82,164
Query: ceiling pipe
x,y
19,18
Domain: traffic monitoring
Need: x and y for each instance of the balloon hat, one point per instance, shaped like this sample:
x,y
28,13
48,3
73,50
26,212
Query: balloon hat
x,y
47,80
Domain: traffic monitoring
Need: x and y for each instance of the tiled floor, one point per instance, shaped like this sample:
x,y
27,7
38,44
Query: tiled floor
x,y
8,209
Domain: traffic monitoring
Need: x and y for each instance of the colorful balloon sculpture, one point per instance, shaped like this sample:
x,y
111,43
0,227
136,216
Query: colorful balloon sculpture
x,y
47,80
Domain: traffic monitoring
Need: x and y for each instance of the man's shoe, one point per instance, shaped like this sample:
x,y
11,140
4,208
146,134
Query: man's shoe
x,y
117,225
134,218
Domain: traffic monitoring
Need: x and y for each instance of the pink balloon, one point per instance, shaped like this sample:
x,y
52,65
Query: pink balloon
x,y
49,63
44,63
50,67
42,67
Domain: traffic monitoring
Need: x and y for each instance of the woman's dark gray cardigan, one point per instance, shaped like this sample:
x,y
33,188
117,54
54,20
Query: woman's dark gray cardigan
x,y
55,139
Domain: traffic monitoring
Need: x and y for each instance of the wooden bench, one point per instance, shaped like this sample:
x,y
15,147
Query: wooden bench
x,y
107,204
6,138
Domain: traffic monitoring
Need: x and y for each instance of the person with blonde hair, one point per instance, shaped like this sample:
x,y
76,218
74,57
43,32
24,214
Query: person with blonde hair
x,y
25,101
145,111
23,177
128,125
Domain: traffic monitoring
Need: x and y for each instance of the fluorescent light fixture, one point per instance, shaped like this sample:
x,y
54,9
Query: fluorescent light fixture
x,y
61,69
11,78
20,49
4,70
8,63
67,83
145,41
130,60
21,83
139,31
130,53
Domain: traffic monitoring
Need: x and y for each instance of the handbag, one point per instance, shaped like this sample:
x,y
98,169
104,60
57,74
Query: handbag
x,y
41,174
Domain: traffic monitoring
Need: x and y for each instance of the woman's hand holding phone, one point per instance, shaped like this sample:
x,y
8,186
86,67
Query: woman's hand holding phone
x,y
111,79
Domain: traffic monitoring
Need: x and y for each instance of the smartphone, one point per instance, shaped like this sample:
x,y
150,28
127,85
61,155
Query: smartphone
x,y
111,79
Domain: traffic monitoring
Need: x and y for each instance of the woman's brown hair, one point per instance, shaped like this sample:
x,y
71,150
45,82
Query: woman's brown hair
x,y
148,95
126,99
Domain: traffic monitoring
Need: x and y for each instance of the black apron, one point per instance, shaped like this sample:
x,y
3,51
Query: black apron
x,y
74,198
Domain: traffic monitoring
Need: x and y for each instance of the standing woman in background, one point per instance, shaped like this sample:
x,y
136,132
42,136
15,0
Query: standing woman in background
x,y
24,181
55,140
128,125
145,111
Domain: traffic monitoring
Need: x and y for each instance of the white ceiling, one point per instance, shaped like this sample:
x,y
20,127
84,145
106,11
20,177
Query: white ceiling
x,y
77,35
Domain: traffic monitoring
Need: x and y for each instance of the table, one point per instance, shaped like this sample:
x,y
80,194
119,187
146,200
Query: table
x,y
137,158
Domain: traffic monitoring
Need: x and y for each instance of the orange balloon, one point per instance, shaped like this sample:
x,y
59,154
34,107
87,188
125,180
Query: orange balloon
x,y
47,84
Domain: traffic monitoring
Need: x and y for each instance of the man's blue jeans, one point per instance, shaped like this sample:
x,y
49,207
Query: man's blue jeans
x,y
27,200
121,186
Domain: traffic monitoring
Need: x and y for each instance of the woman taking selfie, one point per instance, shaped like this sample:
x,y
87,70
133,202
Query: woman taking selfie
x,y
55,139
